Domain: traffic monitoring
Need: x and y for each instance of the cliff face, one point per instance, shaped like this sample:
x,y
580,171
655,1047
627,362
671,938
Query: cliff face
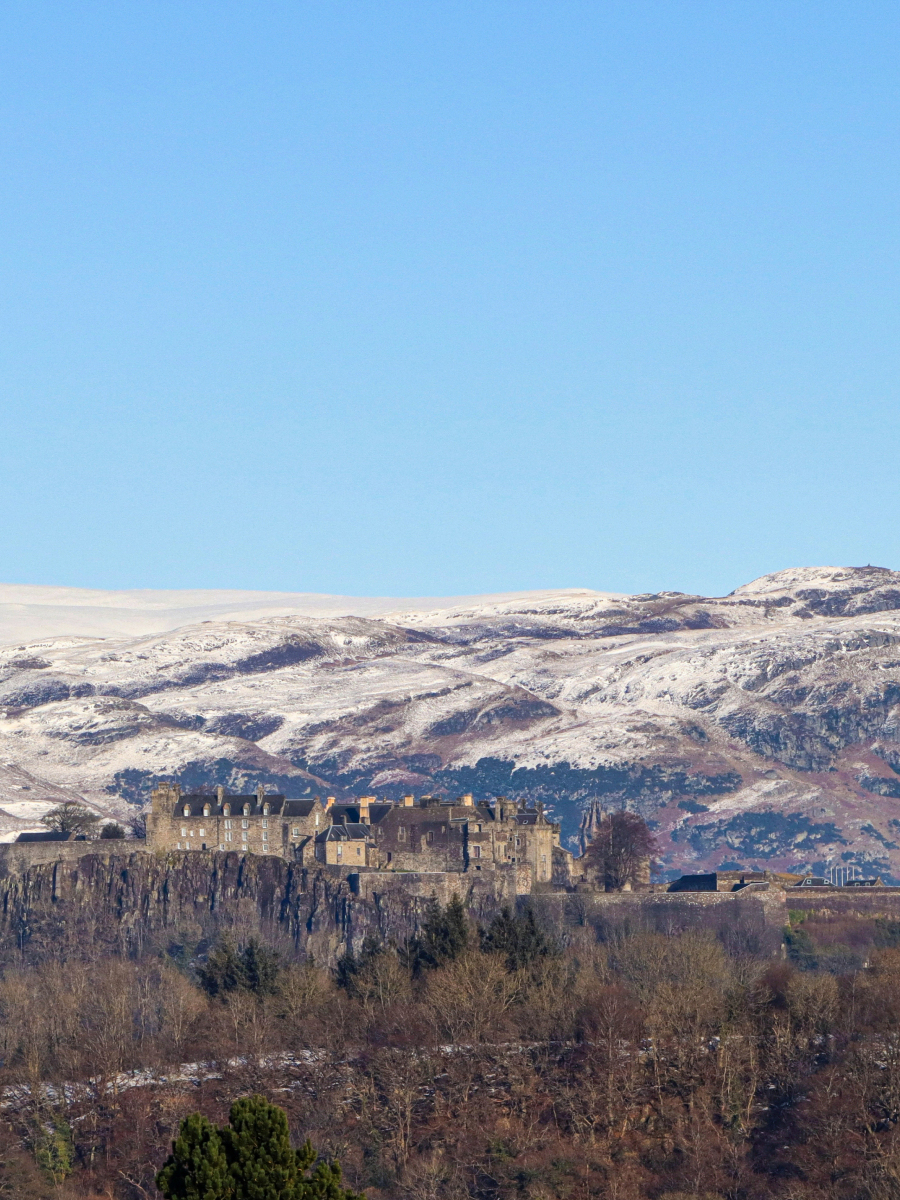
x,y
140,903
133,903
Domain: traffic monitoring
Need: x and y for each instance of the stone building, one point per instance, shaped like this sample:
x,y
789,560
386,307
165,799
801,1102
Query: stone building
x,y
255,824
431,835
460,835
344,845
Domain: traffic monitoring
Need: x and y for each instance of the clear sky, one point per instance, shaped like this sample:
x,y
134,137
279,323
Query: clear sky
x,y
439,297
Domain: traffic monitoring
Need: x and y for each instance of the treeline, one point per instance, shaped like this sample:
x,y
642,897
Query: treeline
x,y
519,1060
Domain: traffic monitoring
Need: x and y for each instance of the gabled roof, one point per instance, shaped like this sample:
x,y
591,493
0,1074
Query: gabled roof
x,y
299,808
353,832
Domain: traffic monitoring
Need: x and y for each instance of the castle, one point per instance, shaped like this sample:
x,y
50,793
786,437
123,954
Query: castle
x,y
428,834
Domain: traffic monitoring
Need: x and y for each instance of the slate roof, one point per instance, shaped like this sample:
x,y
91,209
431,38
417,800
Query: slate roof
x,y
51,835
298,808
197,802
354,832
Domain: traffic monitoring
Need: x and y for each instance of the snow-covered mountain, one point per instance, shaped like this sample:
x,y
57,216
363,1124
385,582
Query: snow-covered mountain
x,y
761,728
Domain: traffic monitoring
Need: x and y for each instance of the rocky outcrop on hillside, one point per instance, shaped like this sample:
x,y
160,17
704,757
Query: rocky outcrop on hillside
x,y
756,729
138,902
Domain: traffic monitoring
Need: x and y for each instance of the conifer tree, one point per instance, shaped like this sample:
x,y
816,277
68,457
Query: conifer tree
x,y
518,938
444,937
249,1159
261,1162
197,1168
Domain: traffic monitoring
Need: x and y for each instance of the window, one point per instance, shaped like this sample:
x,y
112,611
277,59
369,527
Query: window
x,y
296,831
184,833
244,835
389,856
221,845
476,850
227,824
245,824
192,834
443,829
206,810
246,810
178,845
265,824
358,851
203,833
265,836
429,837
228,836
401,833
518,841
340,851
226,810
265,811
478,829
187,810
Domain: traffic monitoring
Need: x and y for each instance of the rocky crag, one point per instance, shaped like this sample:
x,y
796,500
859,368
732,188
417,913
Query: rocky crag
x,y
135,903
759,729
138,903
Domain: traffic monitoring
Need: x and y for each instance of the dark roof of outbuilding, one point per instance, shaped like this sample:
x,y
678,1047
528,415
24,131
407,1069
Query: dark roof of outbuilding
x,y
51,835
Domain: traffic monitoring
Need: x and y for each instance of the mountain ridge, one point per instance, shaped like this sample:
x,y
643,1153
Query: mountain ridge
x,y
760,728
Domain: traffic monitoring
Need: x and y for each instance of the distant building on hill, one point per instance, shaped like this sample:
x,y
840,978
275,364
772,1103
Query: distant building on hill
x,y
257,824
425,835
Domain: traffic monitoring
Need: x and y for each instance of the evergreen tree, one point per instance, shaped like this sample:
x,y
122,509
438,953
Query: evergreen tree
x,y
444,936
249,1159
518,938
255,968
349,966
223,971
261,1163
325,1184
261,968
197,1168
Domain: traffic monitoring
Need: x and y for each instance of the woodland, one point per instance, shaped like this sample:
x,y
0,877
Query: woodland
x,y
521,1060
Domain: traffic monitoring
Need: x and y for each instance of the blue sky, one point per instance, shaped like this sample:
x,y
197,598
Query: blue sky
x,y
438,298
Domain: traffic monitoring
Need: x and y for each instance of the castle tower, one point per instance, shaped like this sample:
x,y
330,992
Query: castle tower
x,y
164,797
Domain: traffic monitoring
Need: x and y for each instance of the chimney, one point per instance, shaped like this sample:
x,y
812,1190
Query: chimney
x,y
407,801
364,802
260,793
220,793
329,800
467,799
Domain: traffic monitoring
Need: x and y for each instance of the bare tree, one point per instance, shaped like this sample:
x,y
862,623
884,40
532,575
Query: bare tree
x,y
70,817
619,854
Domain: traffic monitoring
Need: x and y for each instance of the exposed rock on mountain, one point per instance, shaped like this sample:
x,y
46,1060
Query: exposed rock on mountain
x,y
761,728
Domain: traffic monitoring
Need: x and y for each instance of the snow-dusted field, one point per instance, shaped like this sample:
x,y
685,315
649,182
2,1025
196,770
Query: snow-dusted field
x,y
759,728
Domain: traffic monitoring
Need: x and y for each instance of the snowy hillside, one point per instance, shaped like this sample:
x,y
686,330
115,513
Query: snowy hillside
x,y
758,728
